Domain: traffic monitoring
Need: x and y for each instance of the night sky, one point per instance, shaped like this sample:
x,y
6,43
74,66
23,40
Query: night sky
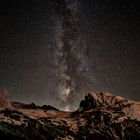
x,y
55,51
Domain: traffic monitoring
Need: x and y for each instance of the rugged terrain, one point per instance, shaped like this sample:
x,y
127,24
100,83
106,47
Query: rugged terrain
x,y
99,116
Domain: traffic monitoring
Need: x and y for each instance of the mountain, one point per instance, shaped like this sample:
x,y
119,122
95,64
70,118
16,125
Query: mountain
x,y
99,116
19,105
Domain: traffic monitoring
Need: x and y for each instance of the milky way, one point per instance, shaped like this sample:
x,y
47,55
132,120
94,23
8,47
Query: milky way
x,y
55,51
70,56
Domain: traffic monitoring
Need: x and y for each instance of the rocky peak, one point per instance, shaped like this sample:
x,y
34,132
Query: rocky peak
x,y
5,99
103,100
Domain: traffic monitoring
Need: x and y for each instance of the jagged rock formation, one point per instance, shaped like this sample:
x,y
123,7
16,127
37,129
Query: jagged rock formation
x,y
5,99
103,101
107,102
100,116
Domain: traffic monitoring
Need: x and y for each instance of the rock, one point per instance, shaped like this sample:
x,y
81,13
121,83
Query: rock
x,y
103,100
5,99
88,103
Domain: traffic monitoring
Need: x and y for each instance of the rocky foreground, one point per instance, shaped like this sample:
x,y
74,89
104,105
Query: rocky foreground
x,y
100,117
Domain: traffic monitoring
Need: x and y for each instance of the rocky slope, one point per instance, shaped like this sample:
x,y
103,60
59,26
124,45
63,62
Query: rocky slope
x,y
100,117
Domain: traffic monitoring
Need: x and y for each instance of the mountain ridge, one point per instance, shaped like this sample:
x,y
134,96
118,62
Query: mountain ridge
x,y
99,116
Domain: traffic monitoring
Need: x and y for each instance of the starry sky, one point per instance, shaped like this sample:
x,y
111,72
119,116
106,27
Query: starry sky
x,y
55,51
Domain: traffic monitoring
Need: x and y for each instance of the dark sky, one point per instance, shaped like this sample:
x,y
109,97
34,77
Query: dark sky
x,y
49,46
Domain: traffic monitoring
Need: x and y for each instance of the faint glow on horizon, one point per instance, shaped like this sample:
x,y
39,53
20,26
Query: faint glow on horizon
x,y
67,108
